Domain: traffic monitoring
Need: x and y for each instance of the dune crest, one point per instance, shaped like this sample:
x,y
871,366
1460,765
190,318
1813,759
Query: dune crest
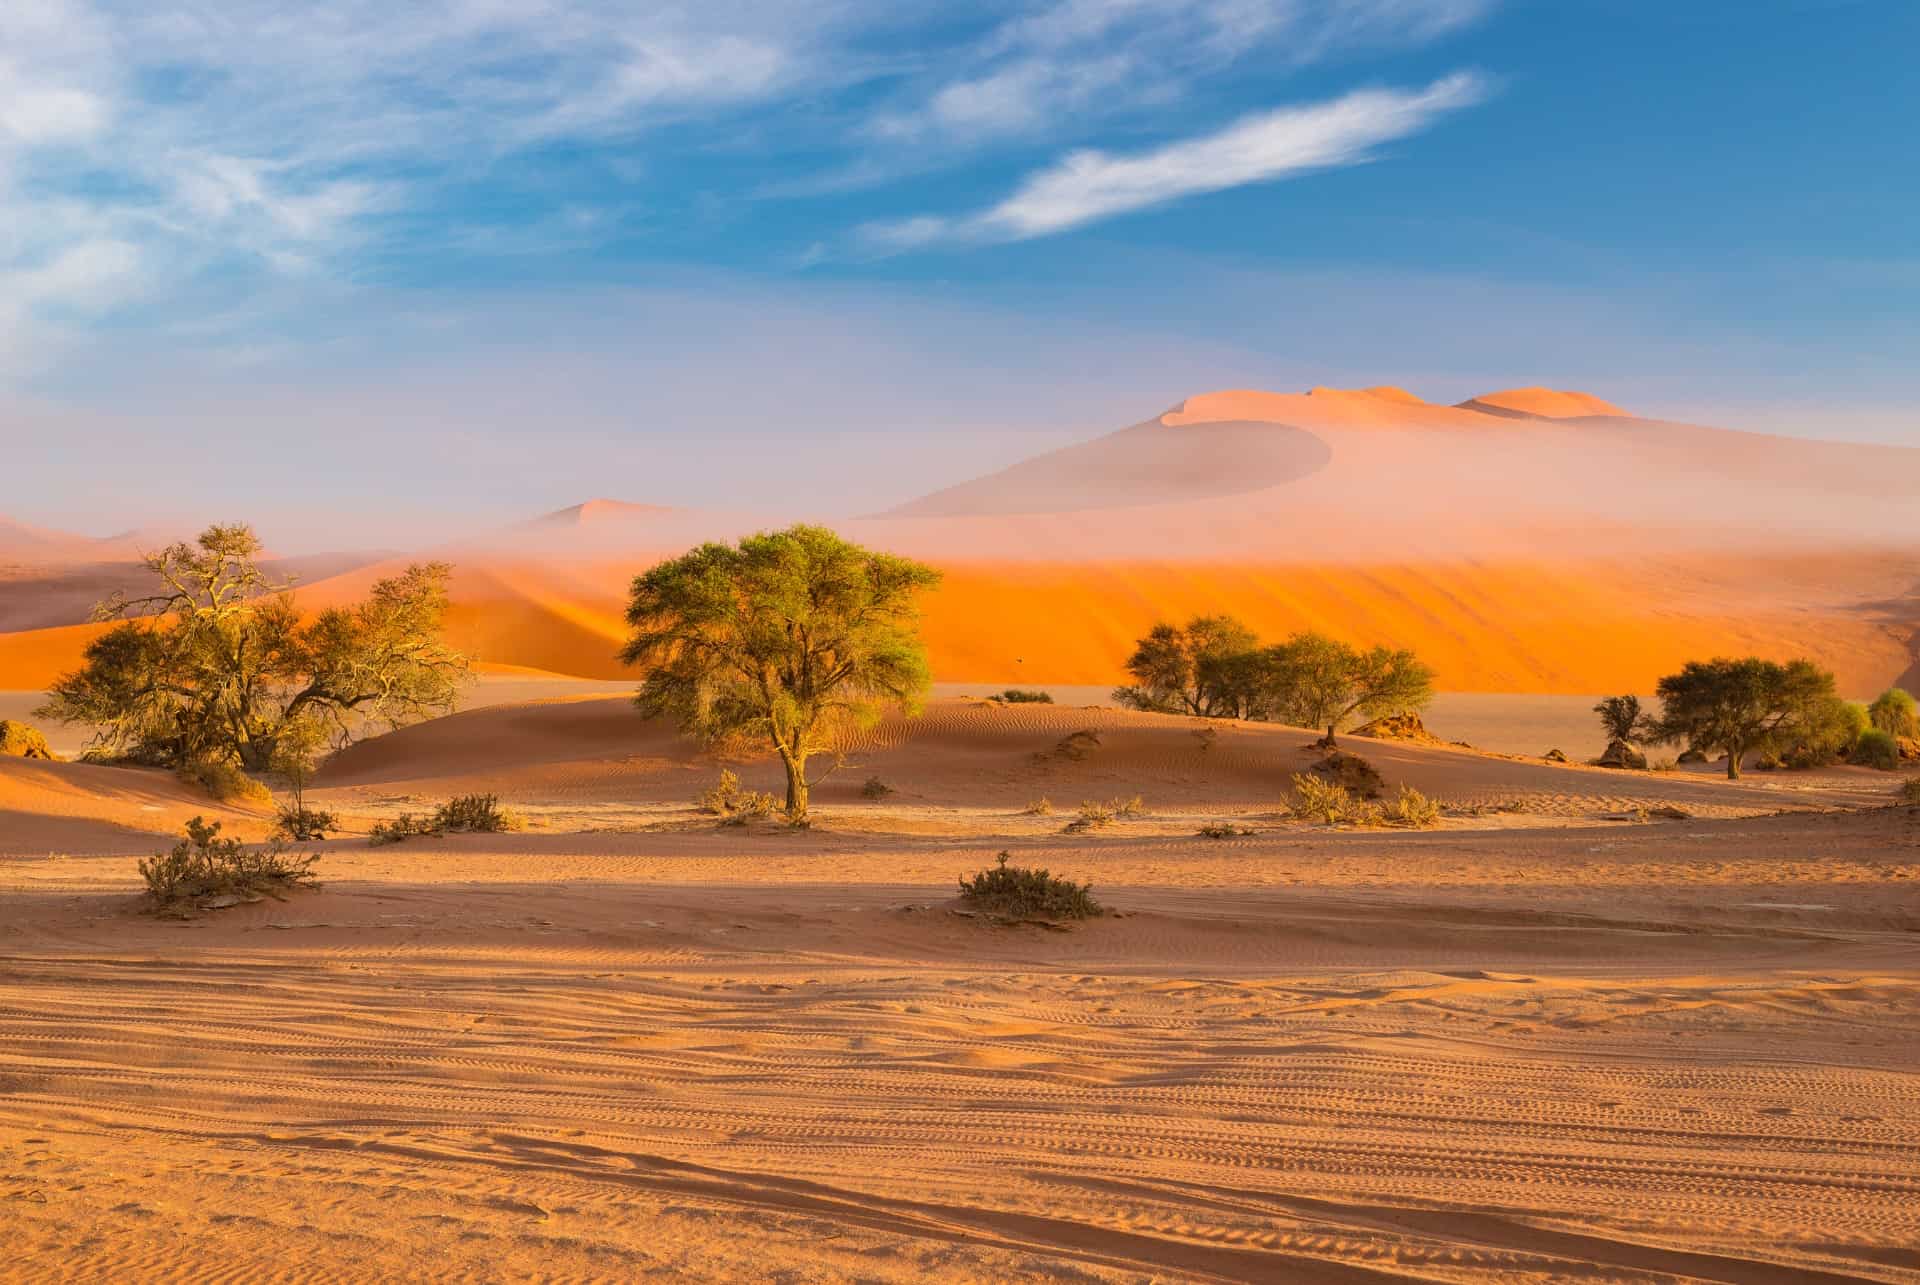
x,y
1543,403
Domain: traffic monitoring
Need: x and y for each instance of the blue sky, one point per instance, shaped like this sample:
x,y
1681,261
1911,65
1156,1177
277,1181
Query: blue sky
x,y
246,244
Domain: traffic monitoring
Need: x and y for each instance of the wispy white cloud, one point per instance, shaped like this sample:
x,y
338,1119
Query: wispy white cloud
x,y
1059,64
1088,185
239,140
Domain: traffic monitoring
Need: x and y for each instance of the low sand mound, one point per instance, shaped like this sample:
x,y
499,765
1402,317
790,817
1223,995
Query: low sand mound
x,y
49,807
966,753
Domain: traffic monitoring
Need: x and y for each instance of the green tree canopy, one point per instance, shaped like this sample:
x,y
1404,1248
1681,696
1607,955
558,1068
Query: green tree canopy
x,y
1211,668
1746,704
219,664
1317,681
788,639
1622,718
1893,712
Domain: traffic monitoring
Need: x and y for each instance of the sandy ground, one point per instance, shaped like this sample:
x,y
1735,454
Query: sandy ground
x,y
1518,723
625,1043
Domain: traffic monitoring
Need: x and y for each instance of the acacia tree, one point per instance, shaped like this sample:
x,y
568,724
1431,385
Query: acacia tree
x,y
1210,669
1745,704
1317,681
1622,718
220,664
788,639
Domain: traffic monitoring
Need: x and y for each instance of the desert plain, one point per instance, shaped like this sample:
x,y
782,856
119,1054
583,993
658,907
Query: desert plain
x,y
1599,1024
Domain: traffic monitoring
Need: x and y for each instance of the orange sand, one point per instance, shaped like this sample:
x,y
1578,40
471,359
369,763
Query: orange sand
x,y
1532,1046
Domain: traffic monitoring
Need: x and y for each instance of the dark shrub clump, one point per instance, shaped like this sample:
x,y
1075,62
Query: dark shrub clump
x,y
303,824
467,814
1024,696
1022,892
1876,748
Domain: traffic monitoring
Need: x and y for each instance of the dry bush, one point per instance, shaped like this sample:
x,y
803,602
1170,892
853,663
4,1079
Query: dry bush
x,y
733,805
1024,696
20,740
303,824
1351,772
1095,815
1021,892
1078,745
203,869
225,782
1223,830
1413,810
1908,795
1092,816
1663,765
875,788
1324,802
1040,807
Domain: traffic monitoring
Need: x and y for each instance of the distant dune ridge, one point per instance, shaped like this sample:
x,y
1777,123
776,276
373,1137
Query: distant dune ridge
x,y
1527,540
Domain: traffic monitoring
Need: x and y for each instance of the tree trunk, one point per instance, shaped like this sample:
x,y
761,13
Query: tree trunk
x,y
796,786
1733,762
1330,740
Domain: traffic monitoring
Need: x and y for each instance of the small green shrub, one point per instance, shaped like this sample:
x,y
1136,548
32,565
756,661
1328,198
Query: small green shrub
x,y
203,867
1223,830
1908,795
1877,749
1024,696
475,814
1895,713
304,825
401,828
1040,807
225,782
1413,810
875,788
1021,892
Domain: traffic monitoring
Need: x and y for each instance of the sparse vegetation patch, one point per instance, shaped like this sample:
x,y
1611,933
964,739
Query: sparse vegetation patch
x,y
732,804
1015,893
875,788
1024,696
206,871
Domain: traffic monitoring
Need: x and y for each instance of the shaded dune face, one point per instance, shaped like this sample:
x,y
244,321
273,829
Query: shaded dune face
x,y
1150,463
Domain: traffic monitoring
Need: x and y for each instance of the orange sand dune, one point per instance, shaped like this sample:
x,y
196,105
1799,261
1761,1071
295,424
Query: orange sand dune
x,y
1512,626
1555,546
1547,403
